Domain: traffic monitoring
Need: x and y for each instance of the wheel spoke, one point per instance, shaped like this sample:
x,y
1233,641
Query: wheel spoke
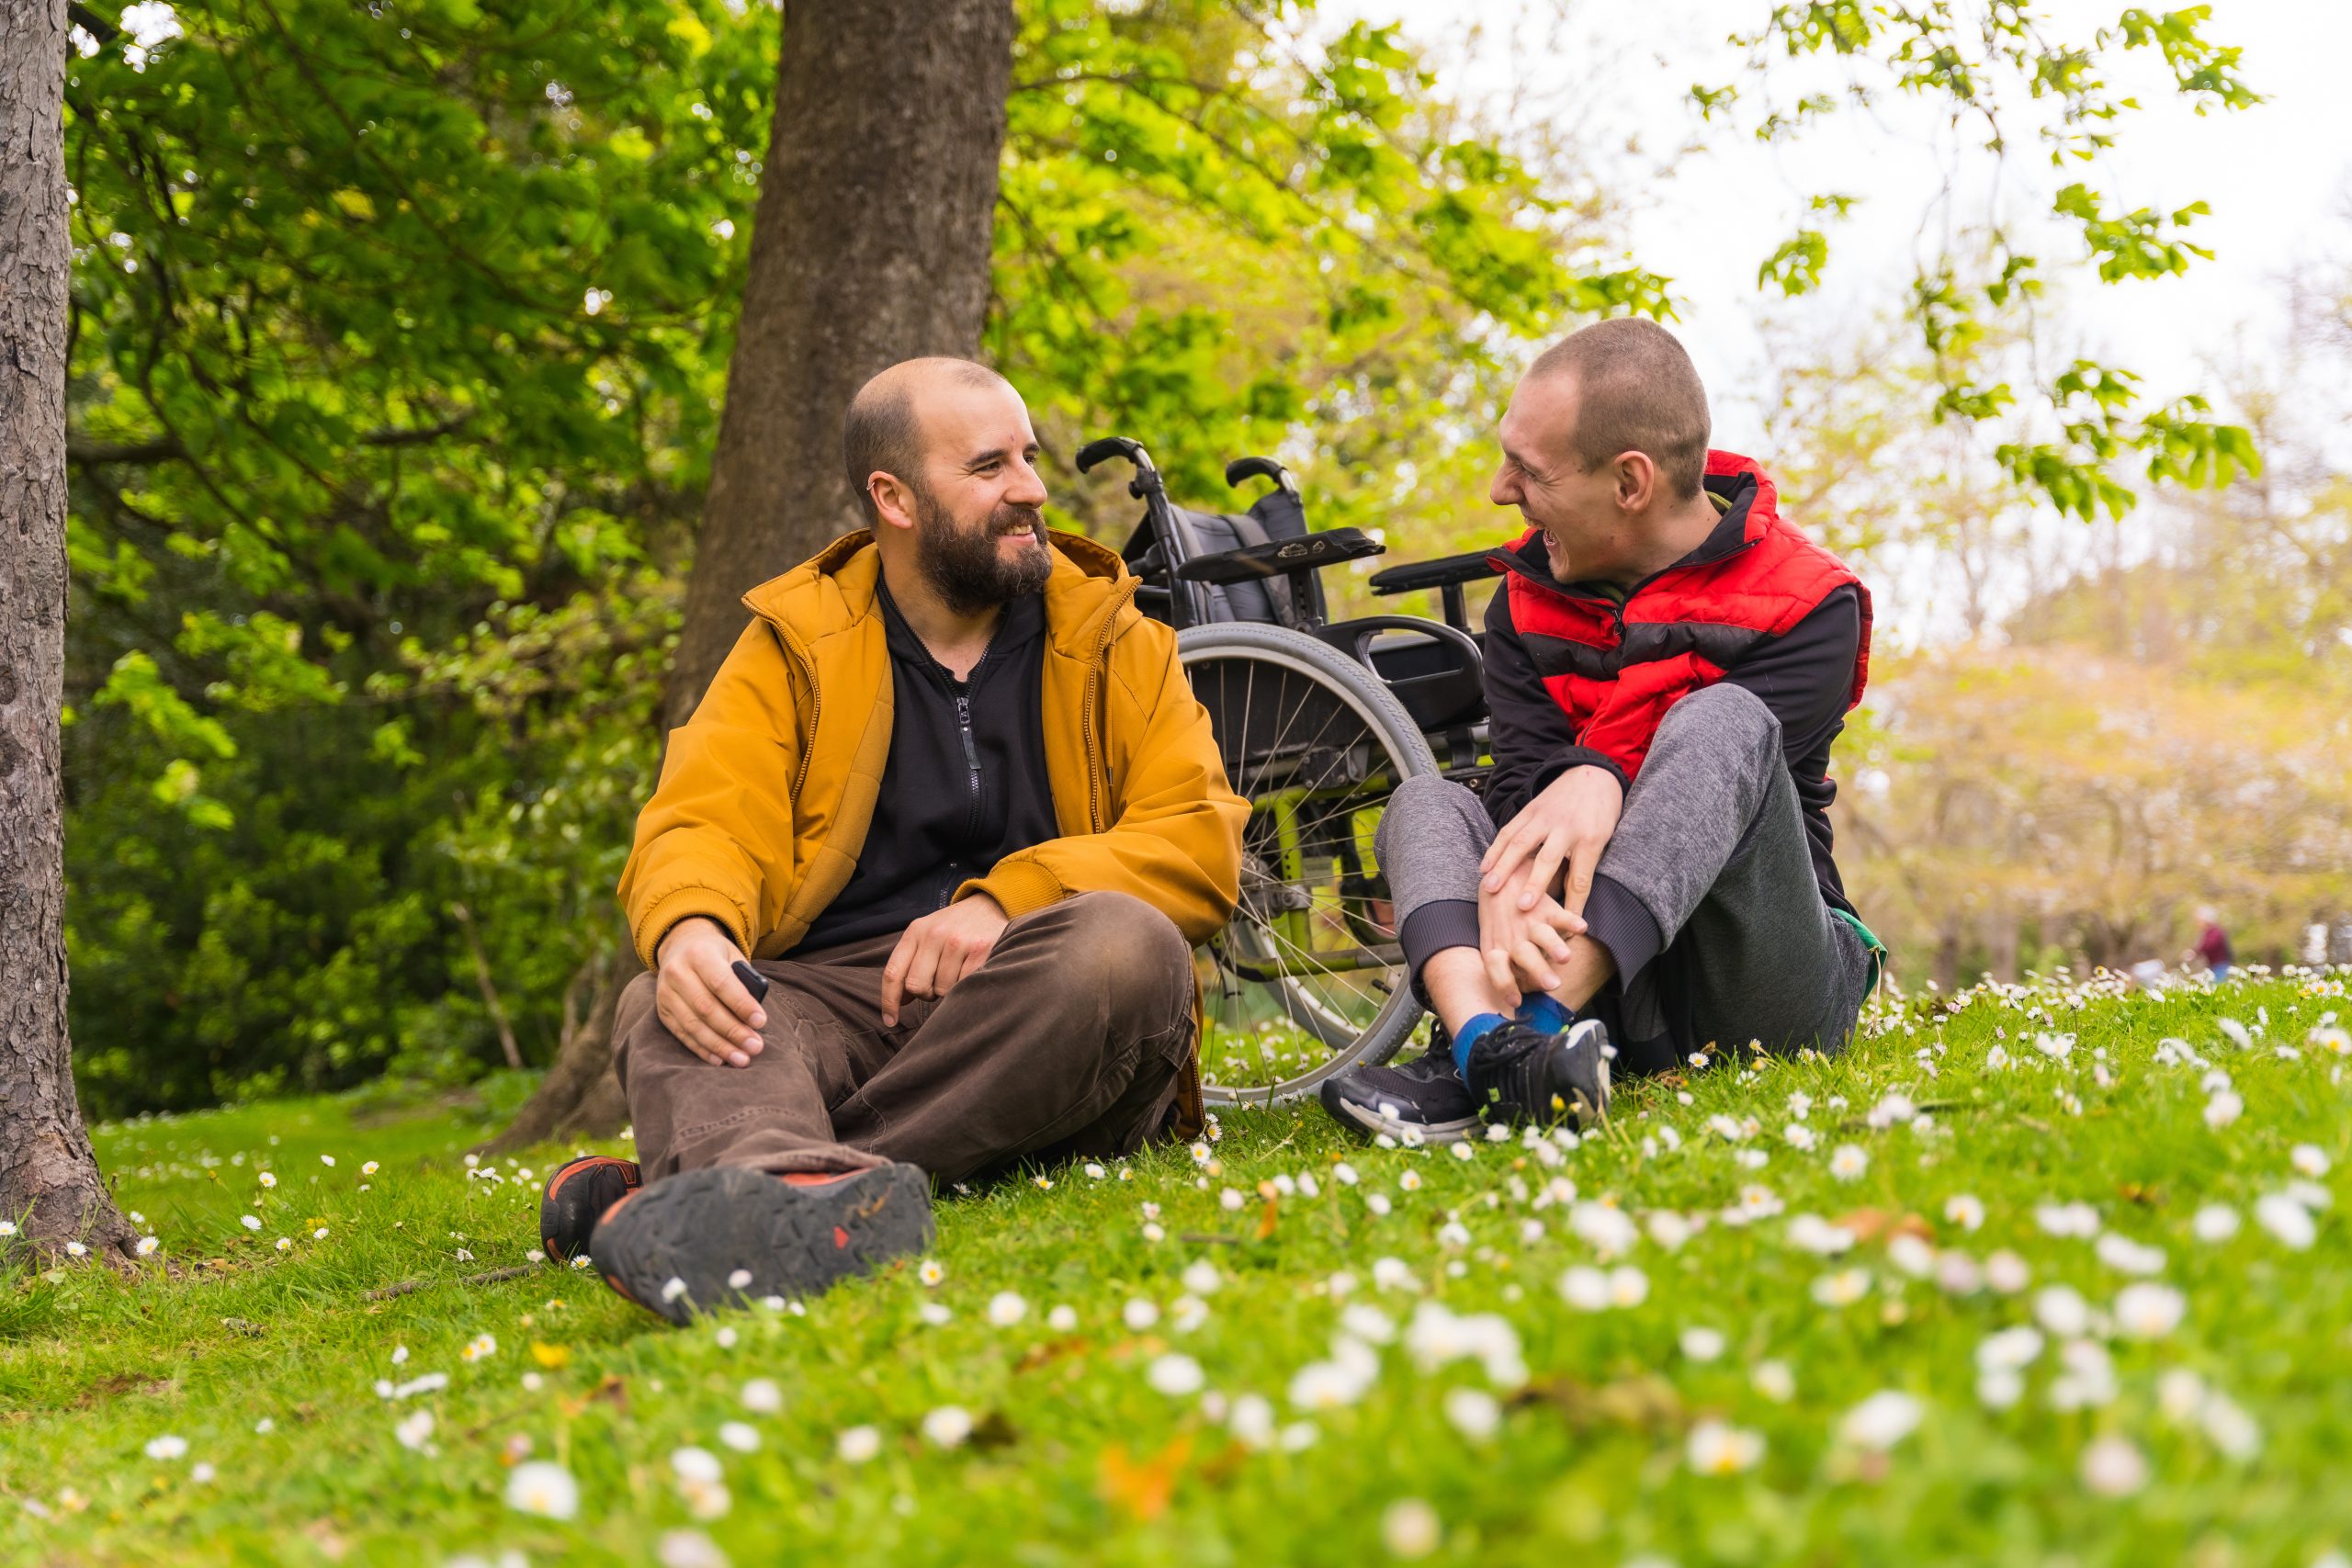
x,y
1315,786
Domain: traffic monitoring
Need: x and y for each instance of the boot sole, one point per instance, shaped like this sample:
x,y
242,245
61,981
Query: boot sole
x,y
705,1227
554,1235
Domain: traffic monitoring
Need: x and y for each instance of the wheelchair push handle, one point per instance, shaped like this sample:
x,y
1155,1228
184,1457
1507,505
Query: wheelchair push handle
x,y
1146,480
1244,468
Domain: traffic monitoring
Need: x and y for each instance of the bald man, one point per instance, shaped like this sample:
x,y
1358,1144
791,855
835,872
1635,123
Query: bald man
x,y
1646,872
919,888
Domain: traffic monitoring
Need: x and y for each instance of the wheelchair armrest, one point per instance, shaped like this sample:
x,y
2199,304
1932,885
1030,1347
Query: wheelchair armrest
x,y
1446,572
1355,638
1277,558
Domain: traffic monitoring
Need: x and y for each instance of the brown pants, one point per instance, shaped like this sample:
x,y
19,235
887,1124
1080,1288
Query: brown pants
x,y
1071,1039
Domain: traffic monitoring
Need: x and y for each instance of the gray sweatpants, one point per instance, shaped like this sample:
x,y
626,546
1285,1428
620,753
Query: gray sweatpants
x,y
1705,896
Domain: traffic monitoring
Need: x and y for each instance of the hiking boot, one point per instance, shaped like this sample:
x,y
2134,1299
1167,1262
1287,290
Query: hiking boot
x,y
1421,1101
722,1235
1519,1074
576,1196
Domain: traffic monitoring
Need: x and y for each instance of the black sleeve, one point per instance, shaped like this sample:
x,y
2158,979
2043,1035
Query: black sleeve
x,y
1528,734
1806,678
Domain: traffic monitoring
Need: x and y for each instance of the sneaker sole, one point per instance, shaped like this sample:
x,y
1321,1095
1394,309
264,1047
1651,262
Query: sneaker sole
x,y
729,1235
1367,1120
1600,1050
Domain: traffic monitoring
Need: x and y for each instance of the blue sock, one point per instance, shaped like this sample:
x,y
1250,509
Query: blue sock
x,y
1468,1036
1544,1015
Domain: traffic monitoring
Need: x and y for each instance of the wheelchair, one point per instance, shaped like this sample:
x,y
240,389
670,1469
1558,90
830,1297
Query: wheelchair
x,y
1318,722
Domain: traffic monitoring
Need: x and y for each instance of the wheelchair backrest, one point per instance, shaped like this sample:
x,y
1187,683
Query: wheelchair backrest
x,y
1277,514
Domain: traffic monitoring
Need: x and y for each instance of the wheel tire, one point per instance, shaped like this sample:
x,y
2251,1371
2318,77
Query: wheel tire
x,y
1301,656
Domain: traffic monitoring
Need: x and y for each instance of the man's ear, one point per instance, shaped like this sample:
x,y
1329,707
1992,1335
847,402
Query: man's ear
x,y
893,498
1636,481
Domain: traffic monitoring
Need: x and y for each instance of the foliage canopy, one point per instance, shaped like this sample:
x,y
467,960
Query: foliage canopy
x,y
399,336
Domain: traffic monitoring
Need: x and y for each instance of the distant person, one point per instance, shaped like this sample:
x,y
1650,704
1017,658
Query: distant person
x,y
1648,872
2339,940
2214,946
953,799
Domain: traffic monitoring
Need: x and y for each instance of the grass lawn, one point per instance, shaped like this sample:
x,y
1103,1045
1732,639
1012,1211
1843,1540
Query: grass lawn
x,y
2083,1313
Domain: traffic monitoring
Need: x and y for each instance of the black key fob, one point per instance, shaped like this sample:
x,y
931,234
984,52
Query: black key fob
x,y
753,981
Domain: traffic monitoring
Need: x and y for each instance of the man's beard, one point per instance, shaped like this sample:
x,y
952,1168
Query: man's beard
x,y
962,565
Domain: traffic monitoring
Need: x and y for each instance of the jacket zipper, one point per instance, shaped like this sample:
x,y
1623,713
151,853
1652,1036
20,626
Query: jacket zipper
x,y
816,706
971,762
963,691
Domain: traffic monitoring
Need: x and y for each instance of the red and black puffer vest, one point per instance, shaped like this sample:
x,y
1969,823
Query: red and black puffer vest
x,y
1616,669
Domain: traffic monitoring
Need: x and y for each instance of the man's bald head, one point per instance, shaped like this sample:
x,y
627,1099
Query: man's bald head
x,y
1636,391
882,432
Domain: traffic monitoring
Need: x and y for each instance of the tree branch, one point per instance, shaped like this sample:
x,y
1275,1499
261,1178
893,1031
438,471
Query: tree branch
x,y
168,450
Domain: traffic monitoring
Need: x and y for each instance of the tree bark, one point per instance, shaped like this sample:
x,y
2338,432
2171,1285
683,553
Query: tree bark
x,y
870,245
49,1175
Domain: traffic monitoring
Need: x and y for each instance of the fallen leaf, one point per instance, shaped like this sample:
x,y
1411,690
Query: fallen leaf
x,y
1048,1351
1141,1489
1874,1225
1649,1402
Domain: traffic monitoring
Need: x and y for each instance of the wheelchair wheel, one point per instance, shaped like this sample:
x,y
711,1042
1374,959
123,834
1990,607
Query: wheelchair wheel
x,y
1306,980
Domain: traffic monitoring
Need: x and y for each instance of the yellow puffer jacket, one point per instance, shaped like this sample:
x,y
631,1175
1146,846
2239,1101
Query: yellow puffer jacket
x,y
767,790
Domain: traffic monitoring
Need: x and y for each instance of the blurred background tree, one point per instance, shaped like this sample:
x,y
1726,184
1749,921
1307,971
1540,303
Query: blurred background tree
x,y
400,342
2117,724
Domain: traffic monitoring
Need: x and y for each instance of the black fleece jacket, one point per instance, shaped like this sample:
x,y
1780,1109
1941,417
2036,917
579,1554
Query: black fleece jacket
x,y
965,784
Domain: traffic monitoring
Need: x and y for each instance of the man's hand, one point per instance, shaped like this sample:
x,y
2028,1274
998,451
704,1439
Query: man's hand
x,y
699,999
1523,948
939,949
1569,822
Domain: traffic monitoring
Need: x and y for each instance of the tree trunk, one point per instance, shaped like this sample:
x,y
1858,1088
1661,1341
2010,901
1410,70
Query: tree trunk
x,y
2002,938
870,246
49,1177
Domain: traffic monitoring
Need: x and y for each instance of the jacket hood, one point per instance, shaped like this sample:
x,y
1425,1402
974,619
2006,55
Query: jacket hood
x,y
833,592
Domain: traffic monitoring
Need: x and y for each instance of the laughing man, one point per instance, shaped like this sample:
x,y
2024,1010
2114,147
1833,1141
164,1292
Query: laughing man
x,y
1648,871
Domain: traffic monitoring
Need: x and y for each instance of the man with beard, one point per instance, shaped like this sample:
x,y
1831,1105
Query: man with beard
x,y
919,885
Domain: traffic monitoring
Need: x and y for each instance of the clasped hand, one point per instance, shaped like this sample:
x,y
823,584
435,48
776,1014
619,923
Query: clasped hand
x,y
1536,876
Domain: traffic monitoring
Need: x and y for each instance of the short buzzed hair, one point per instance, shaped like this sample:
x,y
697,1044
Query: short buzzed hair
x,y
1636,391
879,430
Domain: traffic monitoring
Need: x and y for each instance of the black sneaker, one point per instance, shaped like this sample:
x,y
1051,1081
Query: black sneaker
x,y
576,1196
1423,1100
1518,1074
722,1235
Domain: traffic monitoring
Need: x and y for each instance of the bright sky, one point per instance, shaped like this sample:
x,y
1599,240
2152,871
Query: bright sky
x,y
2279,177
